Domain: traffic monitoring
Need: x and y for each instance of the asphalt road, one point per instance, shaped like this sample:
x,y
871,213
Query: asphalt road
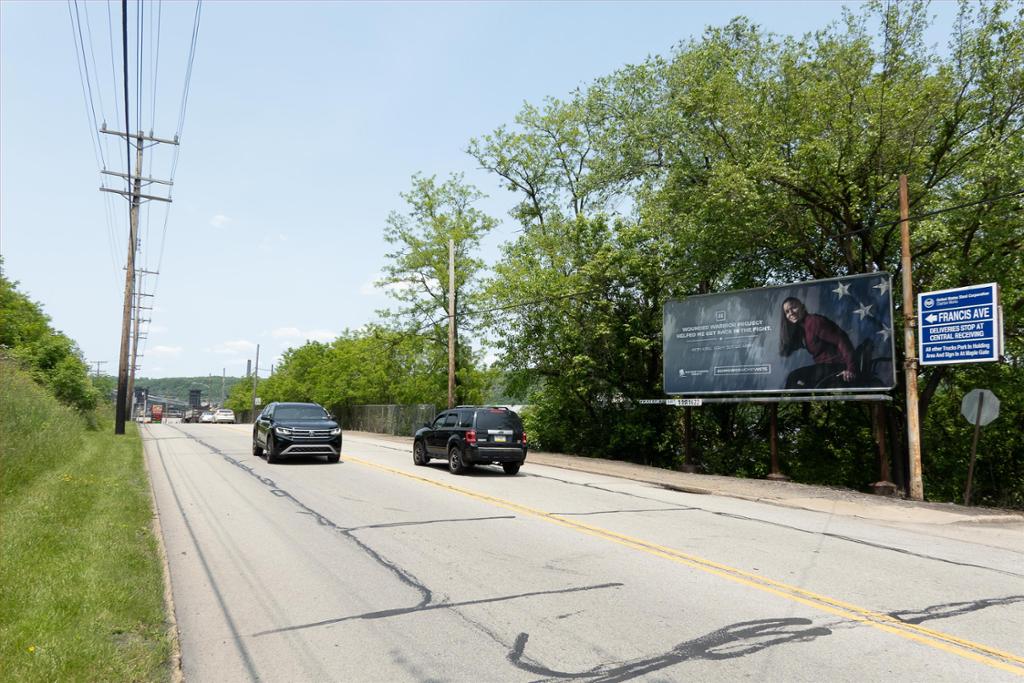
x,y
374,569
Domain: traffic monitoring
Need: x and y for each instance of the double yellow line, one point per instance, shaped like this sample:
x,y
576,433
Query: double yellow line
x,y
977,652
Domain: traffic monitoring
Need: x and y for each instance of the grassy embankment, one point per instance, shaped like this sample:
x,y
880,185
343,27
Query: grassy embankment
x,y
81,583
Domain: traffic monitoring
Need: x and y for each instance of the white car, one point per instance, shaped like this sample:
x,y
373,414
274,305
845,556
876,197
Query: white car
x,y
206,417
225,416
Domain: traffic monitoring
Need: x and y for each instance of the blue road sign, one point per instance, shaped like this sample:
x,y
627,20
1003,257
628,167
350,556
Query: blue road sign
x,y
959,325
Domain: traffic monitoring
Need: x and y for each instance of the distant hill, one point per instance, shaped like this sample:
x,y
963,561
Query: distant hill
x,y
178,387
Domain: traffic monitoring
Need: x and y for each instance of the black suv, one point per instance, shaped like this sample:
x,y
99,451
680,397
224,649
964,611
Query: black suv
x,y
473,435
296,429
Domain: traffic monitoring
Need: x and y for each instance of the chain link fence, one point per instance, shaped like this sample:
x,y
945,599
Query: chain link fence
x,y
398,420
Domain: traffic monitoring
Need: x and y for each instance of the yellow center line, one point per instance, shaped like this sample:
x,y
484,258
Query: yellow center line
x,y
943,641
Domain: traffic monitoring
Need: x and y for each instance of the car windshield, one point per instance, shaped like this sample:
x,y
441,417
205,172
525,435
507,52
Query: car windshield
x,y
497,419
300,413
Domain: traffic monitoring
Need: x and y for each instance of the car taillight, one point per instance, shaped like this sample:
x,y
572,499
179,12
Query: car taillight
x,y
471,437
524,437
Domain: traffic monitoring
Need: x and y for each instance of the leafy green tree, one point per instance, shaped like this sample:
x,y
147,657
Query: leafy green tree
x,y
745,160
416,275
53,359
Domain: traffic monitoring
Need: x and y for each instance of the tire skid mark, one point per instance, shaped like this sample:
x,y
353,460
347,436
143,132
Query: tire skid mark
x,y
384,614
736,640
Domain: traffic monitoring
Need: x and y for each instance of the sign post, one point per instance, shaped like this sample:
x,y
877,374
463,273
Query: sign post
x,y
980,407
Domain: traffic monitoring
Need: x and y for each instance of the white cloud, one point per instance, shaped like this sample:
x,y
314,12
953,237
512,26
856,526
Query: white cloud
x,y
164,351
374,287
234,348
219,221
289,333
271,242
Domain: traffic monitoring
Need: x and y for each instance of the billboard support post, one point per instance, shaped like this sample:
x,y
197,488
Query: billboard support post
x,y
688,463
910,350
773,440
884,486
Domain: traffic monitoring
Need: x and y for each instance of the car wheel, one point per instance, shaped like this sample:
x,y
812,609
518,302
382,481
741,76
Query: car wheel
x,y
455,462
419,454
256,450
272,456
334,457
511,467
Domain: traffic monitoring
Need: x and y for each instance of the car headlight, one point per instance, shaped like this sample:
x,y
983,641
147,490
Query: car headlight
x,y
283,431
336,431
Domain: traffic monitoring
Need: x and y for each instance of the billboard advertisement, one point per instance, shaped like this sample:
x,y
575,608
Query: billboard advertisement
x,y
808,337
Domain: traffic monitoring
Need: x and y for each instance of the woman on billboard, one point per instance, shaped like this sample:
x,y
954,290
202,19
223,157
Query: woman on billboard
x,y
827,343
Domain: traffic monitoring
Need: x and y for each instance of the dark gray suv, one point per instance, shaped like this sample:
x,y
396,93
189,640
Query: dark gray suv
x,y
473,435
284,429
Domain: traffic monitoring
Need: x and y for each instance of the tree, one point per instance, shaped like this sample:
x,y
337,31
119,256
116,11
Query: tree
x,y
417,274
52,358
745,160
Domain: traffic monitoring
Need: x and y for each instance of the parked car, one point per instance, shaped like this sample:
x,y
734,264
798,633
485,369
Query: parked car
x,y
206,417
284,429
224,416
473,435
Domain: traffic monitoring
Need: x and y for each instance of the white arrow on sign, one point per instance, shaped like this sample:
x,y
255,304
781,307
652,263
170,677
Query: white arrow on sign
x,y
931,318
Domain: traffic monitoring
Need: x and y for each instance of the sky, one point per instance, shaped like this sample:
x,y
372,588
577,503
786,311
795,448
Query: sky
x,y
304,123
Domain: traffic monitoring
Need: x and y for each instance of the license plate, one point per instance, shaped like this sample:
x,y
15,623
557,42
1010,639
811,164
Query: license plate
x,y
500,438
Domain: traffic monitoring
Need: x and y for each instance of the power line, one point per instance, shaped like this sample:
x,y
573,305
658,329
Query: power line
x,y
591,290
83,77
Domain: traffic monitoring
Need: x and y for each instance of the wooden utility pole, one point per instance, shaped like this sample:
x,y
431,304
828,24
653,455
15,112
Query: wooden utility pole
x,y
910,350
136,197
255,374
129,290
451,323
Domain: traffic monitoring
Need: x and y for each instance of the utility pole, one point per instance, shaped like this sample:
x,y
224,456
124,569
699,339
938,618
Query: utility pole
x,y
136,197
223,377
255,374
910,350
451,323
98,363
129,284
139,273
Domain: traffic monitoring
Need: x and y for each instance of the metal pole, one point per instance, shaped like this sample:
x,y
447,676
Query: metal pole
x,y
135,350
910,350
974,451
451,323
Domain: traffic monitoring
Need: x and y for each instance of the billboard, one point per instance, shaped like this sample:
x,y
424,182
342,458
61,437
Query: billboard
x,y
808,337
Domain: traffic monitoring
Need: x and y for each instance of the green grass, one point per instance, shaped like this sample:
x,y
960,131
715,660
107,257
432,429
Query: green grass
x,y
81,583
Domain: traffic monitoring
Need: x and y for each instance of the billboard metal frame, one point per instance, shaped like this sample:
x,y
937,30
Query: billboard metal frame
x,y
781,394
